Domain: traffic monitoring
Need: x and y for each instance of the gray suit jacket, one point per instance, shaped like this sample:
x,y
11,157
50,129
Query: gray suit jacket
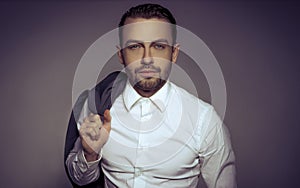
x,y
100,98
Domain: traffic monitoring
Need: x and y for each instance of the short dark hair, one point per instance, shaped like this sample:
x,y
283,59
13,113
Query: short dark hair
x,y
149,11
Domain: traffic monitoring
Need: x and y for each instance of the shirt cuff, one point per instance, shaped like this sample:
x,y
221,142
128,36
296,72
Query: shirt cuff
x,y
91,164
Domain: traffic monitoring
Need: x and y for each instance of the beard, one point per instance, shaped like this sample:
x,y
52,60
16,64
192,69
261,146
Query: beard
x,y
148,83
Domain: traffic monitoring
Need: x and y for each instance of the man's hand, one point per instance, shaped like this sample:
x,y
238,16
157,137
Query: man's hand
x,y
94,134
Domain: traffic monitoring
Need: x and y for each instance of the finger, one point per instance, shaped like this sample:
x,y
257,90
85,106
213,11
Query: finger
x,y
94,118
86,120
91,129
89,124
96,125
93,125
92,133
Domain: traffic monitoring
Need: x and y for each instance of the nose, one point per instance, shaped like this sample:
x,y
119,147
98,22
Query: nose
x,y
147,58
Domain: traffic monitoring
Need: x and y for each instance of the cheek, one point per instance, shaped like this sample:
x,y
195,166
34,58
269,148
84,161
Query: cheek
x,y
131,60
166,55
132,56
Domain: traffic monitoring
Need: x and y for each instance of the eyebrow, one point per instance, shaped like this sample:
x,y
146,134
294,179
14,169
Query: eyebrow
x,y
139,41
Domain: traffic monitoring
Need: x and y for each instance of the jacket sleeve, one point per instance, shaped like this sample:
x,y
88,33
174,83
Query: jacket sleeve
x,y
100,95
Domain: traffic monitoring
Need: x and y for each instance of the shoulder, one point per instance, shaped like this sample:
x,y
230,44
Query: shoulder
x,y
190,99
202,115
203,112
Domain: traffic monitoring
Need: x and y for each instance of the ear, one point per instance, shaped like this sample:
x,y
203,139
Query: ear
x,y
175,52
120,55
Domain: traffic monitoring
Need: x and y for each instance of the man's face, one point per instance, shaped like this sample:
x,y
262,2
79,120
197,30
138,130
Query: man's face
x,y
147,52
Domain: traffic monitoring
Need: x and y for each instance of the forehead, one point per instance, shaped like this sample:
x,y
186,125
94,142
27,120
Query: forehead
x,y
146,30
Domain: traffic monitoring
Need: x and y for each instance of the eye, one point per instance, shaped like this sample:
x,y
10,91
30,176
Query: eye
x,y
159,46
134,46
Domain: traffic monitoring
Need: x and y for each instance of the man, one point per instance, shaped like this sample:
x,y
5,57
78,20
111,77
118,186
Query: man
x,y
155,134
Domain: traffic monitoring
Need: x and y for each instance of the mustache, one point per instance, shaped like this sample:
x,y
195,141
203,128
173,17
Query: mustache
x,y
147,68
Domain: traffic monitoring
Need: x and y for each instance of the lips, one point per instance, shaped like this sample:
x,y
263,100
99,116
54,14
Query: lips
x,y
148,73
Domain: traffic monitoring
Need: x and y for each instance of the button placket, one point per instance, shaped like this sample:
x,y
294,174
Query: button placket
x,y
139,182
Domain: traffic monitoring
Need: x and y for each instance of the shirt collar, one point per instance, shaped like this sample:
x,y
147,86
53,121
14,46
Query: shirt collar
x,y
159,99
130,96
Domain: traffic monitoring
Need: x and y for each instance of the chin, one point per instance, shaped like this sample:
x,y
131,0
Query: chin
x,y
150,84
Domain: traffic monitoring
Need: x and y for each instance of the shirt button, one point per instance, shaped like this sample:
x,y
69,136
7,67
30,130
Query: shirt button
x,y
137,172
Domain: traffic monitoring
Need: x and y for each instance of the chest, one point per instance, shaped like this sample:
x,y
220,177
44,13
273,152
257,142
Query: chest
x,y
161,146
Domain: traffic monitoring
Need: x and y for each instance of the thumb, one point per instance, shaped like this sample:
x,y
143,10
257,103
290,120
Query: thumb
x,y
107,117
107,120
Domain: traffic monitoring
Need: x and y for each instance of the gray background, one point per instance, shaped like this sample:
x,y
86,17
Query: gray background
x,y
256,44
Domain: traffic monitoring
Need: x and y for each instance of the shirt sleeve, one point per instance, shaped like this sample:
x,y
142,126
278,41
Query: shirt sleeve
x,y
81,171
216,154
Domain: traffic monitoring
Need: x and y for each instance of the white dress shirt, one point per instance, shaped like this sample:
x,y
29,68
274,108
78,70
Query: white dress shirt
x,y
166,140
